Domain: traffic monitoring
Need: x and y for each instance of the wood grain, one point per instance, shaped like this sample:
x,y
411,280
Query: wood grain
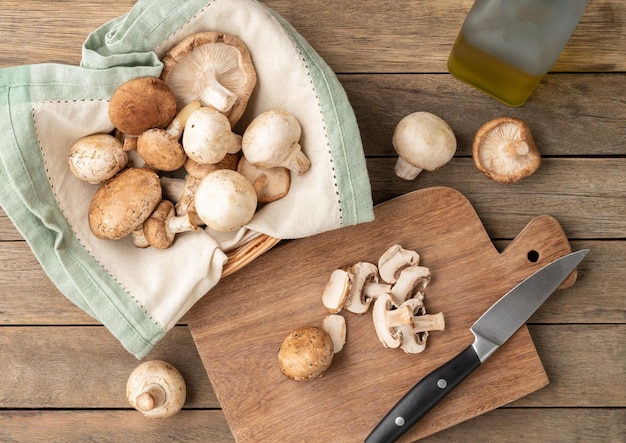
x,y
391,59
251,312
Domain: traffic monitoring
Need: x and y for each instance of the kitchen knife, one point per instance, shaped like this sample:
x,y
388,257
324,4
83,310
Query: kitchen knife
x,y
490,332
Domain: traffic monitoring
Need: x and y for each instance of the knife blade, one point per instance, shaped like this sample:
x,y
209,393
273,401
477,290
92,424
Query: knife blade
x,y
490,332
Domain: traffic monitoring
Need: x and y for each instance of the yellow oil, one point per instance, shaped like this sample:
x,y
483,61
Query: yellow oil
x,y
502,81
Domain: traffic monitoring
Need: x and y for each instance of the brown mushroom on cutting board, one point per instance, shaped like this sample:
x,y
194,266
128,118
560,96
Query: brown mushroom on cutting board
x,y
306,353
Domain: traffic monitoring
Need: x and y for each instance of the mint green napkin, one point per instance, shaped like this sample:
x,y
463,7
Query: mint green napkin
x,y
139,294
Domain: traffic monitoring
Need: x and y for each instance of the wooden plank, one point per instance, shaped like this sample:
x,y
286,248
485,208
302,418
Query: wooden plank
x,y
109,426
86,367
420,38
586,110
544,425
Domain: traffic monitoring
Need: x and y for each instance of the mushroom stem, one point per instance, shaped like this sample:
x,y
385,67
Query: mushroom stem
x,y
298,162
177,125
403,315
428,322
406,170
213,93
181,223
152,396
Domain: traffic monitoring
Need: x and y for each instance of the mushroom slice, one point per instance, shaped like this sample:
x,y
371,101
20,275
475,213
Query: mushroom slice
x,y
365,287
212,67
414,335
335,326
336,291
387,317
270,184
156,389
96,158
306,353
394,260
504,150
141,104
411,280
273,139
423,141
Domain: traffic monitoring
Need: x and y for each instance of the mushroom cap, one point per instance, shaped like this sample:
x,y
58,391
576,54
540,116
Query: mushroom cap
x,y
505,151
156,389
207,136
161,150
225,200
186,66
122,203
306,353
270,184
141,104
272,139
96,158
155,228
424,141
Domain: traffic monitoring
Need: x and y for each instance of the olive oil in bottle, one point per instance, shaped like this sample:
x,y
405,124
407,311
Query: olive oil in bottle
x,y
505,47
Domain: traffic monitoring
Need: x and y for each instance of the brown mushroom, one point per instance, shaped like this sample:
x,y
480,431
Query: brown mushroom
x,y
504,150
213,67
160,148
140,104
122,203
156,389
306,353
270,184
162,226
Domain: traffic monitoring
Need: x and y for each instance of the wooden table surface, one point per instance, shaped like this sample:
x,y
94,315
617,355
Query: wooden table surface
x,y
64,375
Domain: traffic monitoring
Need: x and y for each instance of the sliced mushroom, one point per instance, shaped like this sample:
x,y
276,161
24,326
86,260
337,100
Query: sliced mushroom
x,y
412,280
272,139
394,260
156,389
414,335
212,67
364,288
96,158
336,291
423,141
122,203
306,353
140,104
160,148
387,317
335,326
270,184
504,150
208,137
225,200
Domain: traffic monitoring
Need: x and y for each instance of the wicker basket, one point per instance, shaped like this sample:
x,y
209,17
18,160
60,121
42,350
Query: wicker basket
x,y
245,254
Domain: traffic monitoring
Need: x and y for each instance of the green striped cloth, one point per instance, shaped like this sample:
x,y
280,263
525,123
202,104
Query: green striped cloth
x,y
139,294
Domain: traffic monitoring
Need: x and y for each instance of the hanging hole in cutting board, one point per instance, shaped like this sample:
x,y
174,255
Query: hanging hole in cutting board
x,y
533,256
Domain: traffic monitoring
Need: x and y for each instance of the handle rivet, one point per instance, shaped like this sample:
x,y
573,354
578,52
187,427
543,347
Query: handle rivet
x,y
441,383
399,421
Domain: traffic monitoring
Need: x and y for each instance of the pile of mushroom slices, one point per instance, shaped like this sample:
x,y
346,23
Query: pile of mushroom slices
x,y
175,163
395,288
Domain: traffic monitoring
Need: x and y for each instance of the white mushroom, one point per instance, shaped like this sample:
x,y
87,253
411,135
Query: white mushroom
x,y
156,389
411,281
364,288
414,335
335,326
336,290
225,200
423,141
208,137
394,260
96,158
272,139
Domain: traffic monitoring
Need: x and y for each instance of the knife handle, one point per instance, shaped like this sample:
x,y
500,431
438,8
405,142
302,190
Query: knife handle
x,y
422,397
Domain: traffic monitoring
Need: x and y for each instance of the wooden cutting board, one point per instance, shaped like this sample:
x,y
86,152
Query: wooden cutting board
x,y
239,326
